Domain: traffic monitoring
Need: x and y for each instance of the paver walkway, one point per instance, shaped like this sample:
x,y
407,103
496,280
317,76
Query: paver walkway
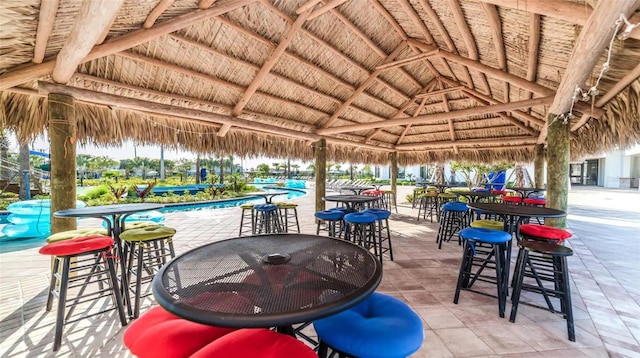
x,y
605,288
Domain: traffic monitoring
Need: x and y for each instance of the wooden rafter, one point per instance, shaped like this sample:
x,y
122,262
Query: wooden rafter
x,y
495,24
362,87
105,32
439,116
414,138
567,11
334,50
358,32
46,18
592,41
503,115
440,92
186,113
415,114
467,142
506,76
534,42
325,8
404,61
266,68
467,36
382,11
435,19
124,42
205,4
159,9
94,16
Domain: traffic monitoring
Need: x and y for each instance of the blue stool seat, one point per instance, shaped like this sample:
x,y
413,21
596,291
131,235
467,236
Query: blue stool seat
x,y
380,326
329,215
360,218
344,209
265,207
489,236
455,206
382,214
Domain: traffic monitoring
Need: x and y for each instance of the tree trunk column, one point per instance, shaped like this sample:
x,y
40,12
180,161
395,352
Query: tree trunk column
x,y
394,173
558,156
321,172
538,166
62,137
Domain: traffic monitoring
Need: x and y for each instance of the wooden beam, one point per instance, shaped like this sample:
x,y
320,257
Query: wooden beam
x,y
181,112
205,4
266,68
567,11
504,116
46,18
522,115
105,32
307,6
415,114
440,92
477,131
467,142
467,36
405,61
327,7
631,76
452,132
534,42
495,24
387,15
362,87
416,20
592,41
160,8
506,76
439,116
93,18
124,42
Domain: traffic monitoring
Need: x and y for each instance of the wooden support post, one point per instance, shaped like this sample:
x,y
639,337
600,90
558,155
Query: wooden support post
x,y
558,156
320,153
393,157
538,166
62,134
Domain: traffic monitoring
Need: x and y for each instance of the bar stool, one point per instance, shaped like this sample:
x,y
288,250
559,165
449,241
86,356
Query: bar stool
x,y
454,218
360,229
148,249
93,264
330,221
390,200
444,198
267,219
544,262
428,205
484,249
512,199
377,203
535,202
247,219
384,234
289,216
416,194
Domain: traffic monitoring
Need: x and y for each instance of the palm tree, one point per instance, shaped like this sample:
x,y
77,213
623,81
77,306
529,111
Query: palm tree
x,y
295,168
4,155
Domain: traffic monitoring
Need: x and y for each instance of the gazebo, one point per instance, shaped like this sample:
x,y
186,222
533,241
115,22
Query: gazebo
x,y
372,81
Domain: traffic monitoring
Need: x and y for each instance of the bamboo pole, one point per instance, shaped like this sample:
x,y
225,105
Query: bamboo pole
x,y
46,18
158,10
62,134
320,154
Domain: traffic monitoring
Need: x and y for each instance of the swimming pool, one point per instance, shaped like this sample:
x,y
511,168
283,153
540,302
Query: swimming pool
x,y
170,208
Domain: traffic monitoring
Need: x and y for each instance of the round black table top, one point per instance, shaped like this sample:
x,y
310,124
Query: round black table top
x,y
517,210
267,280
114,209
350,198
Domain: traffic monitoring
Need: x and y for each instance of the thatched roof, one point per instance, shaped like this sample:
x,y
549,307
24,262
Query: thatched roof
x,y
266,65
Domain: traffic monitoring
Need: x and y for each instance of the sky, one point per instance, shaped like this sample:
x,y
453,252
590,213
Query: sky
x,y
128,150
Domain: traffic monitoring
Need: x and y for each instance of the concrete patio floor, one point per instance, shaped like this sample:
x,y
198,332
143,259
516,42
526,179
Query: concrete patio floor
x,y
605,288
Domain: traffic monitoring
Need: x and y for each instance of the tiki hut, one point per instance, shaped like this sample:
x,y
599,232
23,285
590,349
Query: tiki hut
x,y
416,80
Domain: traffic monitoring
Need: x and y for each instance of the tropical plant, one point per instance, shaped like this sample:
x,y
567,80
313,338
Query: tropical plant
x,y
118,192
263,170
143,193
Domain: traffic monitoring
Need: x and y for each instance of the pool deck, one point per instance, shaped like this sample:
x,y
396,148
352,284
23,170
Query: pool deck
x,y
605,288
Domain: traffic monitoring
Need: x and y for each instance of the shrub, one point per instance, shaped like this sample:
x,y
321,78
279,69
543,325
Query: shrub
x,y
95,193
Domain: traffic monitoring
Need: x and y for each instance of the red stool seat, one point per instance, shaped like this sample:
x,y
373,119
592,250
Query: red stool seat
x,y
544,232
77,246
373,192
158,333
532,201
256,343
512,199
498,192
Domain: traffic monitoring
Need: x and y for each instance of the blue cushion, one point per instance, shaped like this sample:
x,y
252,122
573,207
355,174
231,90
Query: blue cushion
x,y
485,235
455,206
344,209
381,326
360,218
265,207
380,213
329,215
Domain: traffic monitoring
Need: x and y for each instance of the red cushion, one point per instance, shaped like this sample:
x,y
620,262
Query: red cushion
x,y
499,192
77,246
256,343
533,201
544,232
158,333
512,199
